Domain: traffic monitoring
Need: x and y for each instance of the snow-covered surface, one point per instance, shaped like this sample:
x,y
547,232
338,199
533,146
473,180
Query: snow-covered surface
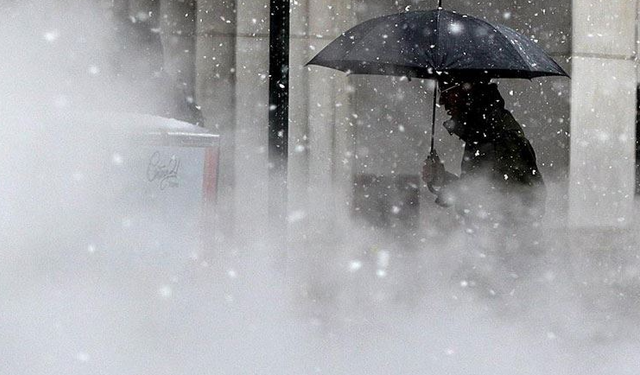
x,y
122,123
137,122
100,123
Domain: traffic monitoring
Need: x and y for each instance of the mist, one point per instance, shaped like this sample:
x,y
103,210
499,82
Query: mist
x,y
96,280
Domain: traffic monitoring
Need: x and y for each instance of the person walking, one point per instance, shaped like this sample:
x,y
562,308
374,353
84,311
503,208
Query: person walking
x,y
500,193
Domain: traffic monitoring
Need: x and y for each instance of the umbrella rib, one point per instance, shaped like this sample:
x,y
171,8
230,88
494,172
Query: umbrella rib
x,y
515,48
523,59
367,26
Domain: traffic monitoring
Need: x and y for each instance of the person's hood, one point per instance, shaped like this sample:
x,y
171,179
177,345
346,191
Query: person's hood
x,y
482,122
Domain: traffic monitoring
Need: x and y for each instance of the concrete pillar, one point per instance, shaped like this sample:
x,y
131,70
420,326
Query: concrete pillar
x,y
344,127
321,123
216,94
232,74
320,144
299,54
252,118
603,113
329,109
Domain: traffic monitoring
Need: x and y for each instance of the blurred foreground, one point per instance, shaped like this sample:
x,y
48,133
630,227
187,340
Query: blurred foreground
x,y
81,296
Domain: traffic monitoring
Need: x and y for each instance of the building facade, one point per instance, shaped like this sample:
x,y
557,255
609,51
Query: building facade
x,y
349,136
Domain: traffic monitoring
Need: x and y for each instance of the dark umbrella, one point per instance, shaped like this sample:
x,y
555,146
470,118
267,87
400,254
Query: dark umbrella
x,y
436,44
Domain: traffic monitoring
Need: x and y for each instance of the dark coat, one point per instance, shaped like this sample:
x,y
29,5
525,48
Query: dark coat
x,y
499,175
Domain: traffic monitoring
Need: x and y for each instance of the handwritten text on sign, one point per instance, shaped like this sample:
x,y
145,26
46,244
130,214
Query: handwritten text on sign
x,y
163,171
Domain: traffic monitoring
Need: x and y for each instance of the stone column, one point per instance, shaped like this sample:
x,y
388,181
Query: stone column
x,y
603,114
252,119
330,134
215,90
320,145
299,54
344,142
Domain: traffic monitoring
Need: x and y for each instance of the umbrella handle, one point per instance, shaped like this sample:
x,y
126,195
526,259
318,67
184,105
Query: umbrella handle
x,y
433,120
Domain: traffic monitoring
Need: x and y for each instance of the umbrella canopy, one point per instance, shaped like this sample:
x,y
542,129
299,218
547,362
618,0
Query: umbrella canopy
x,y
428,44
437,44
